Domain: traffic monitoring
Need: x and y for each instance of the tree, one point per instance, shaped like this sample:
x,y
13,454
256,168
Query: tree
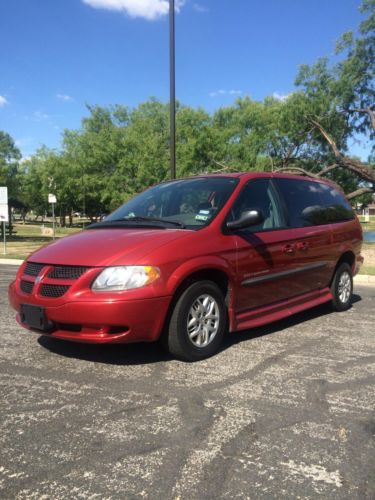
x,y
118,151
342,99
32,190
9,162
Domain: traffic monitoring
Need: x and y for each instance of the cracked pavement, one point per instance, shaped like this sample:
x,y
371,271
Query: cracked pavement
x,y
283,411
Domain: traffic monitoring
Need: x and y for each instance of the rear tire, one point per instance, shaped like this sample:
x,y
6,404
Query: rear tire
x,y
198,322
342,287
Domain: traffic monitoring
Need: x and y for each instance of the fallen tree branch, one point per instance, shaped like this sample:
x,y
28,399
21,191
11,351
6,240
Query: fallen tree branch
x,y
224,167
299,170
359,168
359,192
350,196
329,139
220,163
328,169
369,111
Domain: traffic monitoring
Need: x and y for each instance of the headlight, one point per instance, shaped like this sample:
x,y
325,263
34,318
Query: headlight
x,y
125,278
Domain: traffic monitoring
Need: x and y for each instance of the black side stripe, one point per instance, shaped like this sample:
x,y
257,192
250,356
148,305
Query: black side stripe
x,y
275,276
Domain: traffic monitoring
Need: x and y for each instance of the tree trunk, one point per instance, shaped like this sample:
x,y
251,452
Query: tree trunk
x,y
62,216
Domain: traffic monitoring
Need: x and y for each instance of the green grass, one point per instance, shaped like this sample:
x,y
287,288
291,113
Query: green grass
x,y
367,226
28,238
367,270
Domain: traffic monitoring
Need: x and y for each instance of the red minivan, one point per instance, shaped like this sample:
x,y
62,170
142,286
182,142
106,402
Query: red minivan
x,y
190,259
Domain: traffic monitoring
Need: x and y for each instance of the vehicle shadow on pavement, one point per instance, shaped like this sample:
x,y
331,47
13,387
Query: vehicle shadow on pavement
x,y
115,354
296,319
149,353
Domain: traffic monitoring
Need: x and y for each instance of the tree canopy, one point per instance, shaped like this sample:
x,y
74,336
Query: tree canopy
x,y
119,151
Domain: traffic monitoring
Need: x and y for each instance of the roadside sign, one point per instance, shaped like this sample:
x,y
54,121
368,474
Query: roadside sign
x,y
367,215
52,200
4,214
3,195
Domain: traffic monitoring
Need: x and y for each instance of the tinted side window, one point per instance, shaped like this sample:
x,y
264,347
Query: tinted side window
x,y
312,203
303,201
259,194
337,207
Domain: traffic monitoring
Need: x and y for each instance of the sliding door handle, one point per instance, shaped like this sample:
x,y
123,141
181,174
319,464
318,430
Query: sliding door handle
x,y
288,249
303,246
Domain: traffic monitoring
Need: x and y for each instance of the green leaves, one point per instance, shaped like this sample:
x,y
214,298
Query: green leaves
x,y
346,87
9,164
119,151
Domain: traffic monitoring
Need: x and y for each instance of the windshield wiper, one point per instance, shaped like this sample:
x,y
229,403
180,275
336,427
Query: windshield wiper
x,y
136,221
138,218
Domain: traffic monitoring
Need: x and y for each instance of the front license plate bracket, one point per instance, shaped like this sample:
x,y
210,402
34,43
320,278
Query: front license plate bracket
x,y
35,317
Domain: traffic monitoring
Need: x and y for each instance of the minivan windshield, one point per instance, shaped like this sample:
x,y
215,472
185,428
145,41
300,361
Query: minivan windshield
x,y
185,203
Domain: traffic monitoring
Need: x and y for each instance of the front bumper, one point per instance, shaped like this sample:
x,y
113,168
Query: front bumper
x,y
101,320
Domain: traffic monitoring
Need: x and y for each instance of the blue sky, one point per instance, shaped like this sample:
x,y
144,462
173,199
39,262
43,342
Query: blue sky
x,y
57,55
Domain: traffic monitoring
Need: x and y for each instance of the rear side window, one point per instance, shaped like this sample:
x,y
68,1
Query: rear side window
x,y
312,203
338,208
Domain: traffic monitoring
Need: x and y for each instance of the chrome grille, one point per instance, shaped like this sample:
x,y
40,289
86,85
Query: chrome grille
x,y
33,269
53,291
27,286
67,272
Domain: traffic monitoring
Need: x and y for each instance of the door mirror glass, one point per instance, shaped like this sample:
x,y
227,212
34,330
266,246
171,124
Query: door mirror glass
x,y
247,218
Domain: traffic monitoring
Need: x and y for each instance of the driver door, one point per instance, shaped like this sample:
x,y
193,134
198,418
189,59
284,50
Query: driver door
x,y
265,261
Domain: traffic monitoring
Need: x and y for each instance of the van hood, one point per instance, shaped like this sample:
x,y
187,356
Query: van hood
x,y
106,247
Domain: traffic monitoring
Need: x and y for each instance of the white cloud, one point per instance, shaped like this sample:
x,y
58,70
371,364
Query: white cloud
x,y
64,97
280,97
148,9
217,93
200,8
3,101
40,116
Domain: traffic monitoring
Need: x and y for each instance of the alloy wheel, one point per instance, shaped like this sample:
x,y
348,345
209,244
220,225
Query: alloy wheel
x,y
203,320
344,287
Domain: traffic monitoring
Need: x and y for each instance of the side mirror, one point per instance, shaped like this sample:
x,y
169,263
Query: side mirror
x,y
248,218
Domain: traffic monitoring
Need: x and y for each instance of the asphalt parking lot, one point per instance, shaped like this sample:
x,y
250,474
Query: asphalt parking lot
x,y
285,411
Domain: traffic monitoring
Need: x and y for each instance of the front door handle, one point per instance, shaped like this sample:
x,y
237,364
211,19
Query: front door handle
x,y
289,249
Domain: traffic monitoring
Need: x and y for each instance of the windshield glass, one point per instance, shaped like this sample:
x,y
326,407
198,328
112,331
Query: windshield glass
x,y
191,202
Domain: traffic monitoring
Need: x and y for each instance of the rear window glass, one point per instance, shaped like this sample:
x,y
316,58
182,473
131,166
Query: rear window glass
x,y
312,203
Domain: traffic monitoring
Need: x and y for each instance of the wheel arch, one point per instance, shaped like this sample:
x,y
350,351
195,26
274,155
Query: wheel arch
x,y
217,276
217,272
348,257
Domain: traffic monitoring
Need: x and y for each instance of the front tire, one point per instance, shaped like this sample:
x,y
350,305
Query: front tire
x,y
342,287
198,322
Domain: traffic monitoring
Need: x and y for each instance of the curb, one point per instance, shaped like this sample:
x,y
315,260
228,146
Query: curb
x,y
11,262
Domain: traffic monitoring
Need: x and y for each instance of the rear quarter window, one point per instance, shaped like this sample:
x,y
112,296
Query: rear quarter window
x,y
312,203
337,206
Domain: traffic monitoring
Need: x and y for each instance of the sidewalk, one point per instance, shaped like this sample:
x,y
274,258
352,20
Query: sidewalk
x,y
363,279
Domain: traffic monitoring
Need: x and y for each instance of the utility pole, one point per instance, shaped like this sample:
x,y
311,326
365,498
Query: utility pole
x,y
172,93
